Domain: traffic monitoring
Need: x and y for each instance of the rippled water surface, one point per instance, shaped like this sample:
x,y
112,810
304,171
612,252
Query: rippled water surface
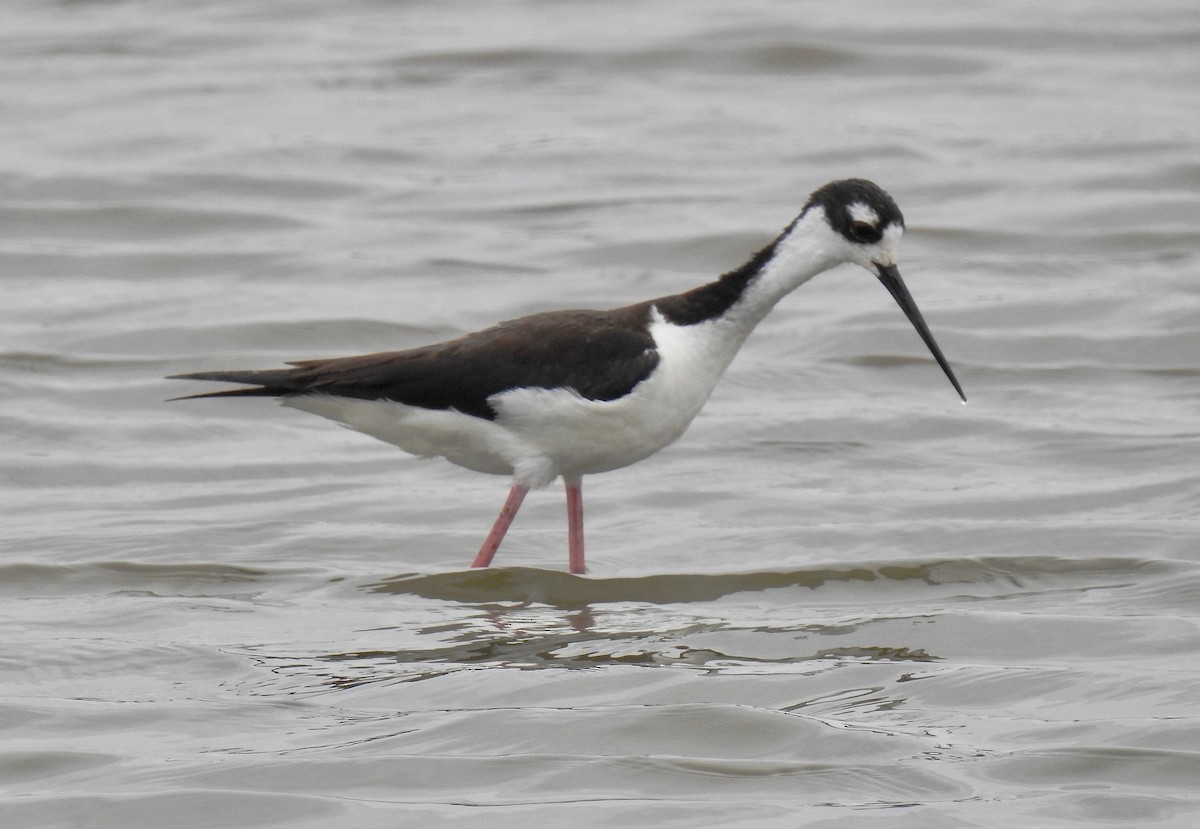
x,y
841,599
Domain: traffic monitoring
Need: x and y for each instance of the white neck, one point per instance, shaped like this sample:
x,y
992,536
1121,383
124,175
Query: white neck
x,y
704,349
805,250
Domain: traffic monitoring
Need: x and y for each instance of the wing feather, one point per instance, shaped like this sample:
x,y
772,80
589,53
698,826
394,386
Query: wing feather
x,y
601,355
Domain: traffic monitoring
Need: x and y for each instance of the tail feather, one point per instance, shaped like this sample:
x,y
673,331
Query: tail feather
x,y
271,383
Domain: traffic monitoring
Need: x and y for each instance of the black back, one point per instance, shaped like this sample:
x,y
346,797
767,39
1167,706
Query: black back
x,y
601,355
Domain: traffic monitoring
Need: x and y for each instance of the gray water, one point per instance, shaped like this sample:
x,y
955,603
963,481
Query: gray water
x,y
841,599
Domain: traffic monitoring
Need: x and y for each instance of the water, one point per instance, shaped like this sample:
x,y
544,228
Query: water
x,y
841,599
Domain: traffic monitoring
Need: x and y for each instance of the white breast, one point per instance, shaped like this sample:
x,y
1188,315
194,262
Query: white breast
x,y
575,436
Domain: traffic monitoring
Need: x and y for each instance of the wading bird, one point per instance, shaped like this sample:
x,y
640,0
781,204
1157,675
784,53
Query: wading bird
x,y
572,393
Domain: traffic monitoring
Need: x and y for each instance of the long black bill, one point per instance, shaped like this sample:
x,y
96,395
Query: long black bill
x,y
890,277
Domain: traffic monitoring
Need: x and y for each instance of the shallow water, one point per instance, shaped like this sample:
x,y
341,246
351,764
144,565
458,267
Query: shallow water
x,y
841,599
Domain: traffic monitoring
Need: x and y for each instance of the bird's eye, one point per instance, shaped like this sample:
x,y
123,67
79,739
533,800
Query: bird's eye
x,y
862,231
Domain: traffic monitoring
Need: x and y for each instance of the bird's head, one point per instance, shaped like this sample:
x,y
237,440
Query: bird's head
x,y
861,224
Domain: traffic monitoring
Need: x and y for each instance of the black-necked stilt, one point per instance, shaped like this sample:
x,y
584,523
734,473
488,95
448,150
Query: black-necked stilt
x,y
571,393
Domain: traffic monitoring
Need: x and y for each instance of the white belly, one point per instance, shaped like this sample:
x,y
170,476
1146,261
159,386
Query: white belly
x,y
539,434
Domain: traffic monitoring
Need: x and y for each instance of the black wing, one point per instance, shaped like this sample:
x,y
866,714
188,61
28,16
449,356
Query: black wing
x,y
601,355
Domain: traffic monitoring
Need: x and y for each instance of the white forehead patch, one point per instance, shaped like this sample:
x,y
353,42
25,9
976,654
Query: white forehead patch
x,y
861,212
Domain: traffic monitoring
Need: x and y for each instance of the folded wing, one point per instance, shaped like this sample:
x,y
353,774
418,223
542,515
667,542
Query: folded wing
x,y
601,355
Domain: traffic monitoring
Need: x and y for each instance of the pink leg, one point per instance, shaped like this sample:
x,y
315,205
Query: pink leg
x,y
503,521
575,525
